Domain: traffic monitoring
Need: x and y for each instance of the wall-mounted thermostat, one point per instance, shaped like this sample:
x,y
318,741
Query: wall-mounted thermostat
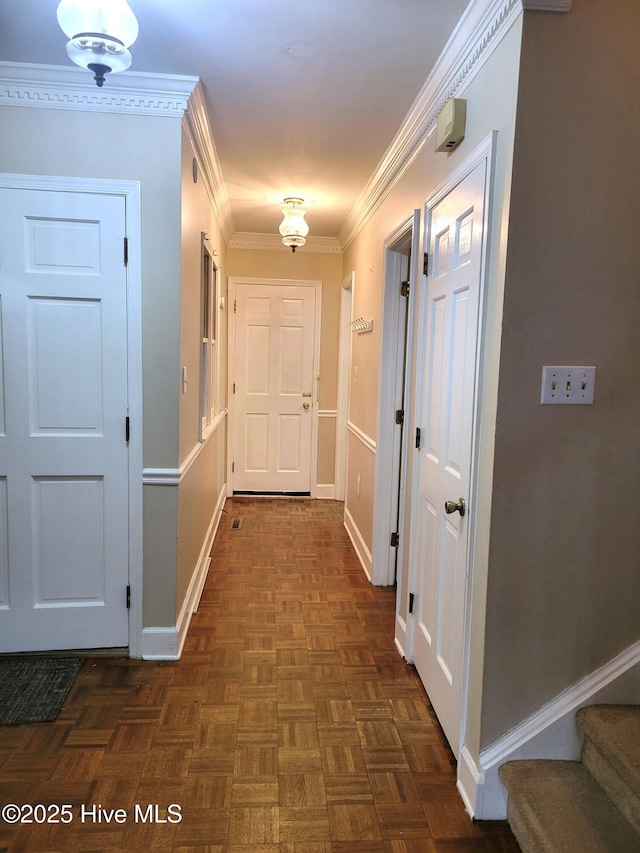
x,y
451,124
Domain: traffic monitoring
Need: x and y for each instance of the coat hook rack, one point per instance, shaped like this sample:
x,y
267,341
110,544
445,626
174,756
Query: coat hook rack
x,y
361,325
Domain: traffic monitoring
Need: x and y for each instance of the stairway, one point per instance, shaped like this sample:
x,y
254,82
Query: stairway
x,y
587,806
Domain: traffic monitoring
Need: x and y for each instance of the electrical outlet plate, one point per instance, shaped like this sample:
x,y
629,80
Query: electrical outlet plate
x,y
563,385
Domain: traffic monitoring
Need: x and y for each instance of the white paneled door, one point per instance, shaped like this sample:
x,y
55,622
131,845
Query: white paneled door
x,y
274,399
456,224
63,406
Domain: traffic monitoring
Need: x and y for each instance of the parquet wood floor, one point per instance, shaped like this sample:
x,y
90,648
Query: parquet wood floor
x,y
290,725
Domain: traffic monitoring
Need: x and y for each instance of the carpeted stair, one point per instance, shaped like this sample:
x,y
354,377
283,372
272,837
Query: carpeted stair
x,y
588,806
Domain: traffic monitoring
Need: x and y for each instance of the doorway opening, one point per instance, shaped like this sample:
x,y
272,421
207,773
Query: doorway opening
x,y
401,254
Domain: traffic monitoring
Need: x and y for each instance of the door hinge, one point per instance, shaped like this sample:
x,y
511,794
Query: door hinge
x,y
128,596
233,467
235,306
395,540
405,287
126,251
127,428
417,438
400,416
411,600
425,264
234,387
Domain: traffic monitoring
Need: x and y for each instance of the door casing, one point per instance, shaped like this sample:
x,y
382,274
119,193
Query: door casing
x,y
485,151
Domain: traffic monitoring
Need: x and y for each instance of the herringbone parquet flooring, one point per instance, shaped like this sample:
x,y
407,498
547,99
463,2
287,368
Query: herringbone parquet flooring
x,y
290,725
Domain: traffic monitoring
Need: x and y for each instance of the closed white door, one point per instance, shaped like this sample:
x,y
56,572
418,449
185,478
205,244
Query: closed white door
x,y
63,405
273,387
448,394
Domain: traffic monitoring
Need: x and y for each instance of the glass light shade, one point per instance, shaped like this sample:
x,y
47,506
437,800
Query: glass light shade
x,y
112,19
293,227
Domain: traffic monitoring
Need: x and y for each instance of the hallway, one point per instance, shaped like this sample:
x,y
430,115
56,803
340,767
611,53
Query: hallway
x,y
290,725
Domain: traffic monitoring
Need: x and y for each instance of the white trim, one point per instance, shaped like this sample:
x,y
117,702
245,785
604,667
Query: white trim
x,y
233,282
174,476
390,492
549,733
57,87
167,643
327,413
161,476
368,442
271,242
326,491
478,33
344,385
198,129
483,153
400,638
357,540
130,190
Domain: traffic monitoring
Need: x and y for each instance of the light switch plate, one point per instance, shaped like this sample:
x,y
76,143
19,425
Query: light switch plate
x,y
563,385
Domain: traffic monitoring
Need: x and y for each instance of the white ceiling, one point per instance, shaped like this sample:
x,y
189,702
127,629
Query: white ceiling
x,y
303,99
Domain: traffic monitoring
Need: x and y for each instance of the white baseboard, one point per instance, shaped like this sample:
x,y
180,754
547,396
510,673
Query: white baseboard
x,y
364,554
549,733
400,638
167,643
326,491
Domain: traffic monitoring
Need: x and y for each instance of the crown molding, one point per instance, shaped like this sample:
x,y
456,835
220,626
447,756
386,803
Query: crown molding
x,y
272,242
69,88
476,36
198,129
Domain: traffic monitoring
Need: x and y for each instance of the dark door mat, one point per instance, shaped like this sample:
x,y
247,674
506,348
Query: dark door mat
x,y
32,690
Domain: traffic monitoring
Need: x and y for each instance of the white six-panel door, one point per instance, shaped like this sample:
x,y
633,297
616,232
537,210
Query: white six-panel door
x,y
274,387
447,401
63,404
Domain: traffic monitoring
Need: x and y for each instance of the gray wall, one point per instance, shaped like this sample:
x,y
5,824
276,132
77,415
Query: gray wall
x,y
563,593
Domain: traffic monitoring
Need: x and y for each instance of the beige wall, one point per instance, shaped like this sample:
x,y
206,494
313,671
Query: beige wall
x,y
202,483
563,592
315,266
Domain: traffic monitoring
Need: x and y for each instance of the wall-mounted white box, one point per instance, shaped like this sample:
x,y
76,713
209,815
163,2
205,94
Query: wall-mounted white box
x,y
563,385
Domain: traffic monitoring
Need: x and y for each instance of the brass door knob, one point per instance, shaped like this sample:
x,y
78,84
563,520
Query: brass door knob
x,y
452,506
305,405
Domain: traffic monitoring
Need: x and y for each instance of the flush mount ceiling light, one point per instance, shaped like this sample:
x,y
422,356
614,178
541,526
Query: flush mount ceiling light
x,y
100,33
293,227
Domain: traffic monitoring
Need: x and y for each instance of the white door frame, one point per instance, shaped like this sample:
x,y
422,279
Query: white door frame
x,y
130,191
485,151
344,385
233,282
387,499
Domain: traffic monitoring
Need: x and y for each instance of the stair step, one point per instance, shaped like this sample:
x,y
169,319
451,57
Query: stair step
x,y
558,807
611,753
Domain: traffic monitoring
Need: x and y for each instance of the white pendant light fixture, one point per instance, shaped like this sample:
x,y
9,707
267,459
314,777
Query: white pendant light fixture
x,y
293,227
100,32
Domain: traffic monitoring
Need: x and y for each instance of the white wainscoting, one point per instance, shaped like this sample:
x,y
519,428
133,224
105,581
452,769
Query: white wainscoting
x,y
357,539
549,733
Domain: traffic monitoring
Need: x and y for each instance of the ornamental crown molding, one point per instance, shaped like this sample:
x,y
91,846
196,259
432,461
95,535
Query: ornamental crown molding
x,y
198,129
478,33
273,242
66,88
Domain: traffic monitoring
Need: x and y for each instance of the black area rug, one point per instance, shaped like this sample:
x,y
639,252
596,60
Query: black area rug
x,y
32,690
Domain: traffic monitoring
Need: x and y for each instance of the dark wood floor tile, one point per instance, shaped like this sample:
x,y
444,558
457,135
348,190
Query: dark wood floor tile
x,y
302,789
290,724
354,822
